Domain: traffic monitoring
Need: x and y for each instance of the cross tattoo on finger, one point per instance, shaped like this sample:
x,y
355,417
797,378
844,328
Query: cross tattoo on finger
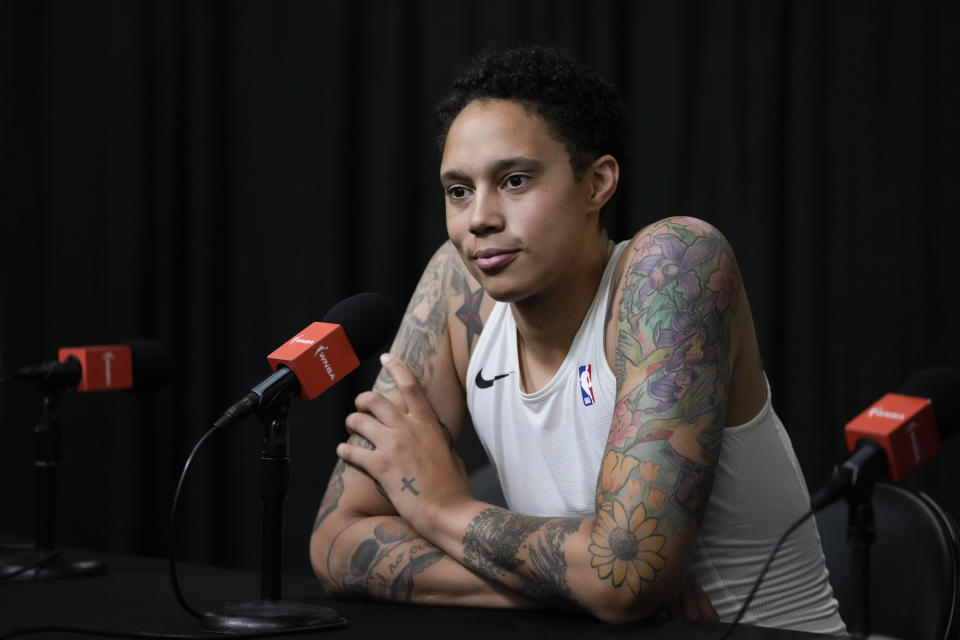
x,y
408,484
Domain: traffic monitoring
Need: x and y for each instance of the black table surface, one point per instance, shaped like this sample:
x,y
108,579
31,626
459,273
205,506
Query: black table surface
x,y
135,595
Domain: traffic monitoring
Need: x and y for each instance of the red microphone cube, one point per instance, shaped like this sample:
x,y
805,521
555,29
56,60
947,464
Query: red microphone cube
x,y
104,367
904,426
319,356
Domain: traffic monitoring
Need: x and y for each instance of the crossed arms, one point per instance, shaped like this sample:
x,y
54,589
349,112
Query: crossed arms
x,y
398,521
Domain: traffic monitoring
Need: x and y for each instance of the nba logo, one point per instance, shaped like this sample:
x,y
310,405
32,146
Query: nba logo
x,y
586,385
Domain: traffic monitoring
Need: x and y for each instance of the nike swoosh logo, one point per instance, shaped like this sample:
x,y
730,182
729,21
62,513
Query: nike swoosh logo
x,y
483,383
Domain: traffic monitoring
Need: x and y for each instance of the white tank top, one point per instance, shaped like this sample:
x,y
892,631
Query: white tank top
x,y
546,448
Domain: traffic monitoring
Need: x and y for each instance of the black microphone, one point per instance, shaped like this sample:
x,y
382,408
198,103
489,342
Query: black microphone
x,y
136,364
897,433
320,355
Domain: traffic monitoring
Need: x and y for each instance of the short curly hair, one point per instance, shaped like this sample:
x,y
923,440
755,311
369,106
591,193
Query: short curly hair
x,y
585,112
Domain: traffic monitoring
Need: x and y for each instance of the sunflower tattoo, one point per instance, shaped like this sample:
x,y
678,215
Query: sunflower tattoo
x,y
625,547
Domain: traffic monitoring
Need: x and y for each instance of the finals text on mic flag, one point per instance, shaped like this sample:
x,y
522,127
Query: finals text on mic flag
x,y
319,356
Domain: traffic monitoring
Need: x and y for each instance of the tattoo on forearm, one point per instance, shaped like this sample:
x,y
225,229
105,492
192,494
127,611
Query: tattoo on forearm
x,y
498,542
363,556
493,538
384,566
401,589
625,548
331,499
335,487
408,486
548,561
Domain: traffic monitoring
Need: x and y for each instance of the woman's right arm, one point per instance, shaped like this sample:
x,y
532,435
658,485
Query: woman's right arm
x,y
360,546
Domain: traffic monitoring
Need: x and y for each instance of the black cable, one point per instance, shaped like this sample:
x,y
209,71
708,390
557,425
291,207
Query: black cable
x,y
172,557
763,572
31,566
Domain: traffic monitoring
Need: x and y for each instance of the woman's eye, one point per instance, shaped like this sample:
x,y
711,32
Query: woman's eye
x,y
517,180
457,192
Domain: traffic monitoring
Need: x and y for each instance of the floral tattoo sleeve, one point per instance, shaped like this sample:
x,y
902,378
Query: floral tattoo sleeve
x,y
672,363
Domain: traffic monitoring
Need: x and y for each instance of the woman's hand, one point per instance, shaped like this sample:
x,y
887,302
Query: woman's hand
x,y
412,457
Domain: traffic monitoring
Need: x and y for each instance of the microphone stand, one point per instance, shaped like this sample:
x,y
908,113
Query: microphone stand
x,y
46,562
861,534
270,612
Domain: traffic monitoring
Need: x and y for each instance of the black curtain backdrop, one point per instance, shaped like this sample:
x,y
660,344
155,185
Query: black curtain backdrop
x,y
216,175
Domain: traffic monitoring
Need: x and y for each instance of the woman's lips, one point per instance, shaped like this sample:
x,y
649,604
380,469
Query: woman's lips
x,y
490,261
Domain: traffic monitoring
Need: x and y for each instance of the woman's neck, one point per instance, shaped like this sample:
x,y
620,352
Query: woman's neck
x,y
548,322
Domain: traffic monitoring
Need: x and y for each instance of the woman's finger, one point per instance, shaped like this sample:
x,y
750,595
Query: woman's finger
x,y
380,407
408,385
365,425
359,457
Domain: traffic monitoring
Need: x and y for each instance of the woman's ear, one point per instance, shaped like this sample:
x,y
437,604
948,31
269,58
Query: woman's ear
x,y
603,176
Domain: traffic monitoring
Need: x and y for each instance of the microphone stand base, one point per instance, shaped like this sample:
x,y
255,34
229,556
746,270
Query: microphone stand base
x,y
270,615
50,565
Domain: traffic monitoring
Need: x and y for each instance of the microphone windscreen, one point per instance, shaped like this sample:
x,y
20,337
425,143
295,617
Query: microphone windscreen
x,y
941,385
150,362
368,321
